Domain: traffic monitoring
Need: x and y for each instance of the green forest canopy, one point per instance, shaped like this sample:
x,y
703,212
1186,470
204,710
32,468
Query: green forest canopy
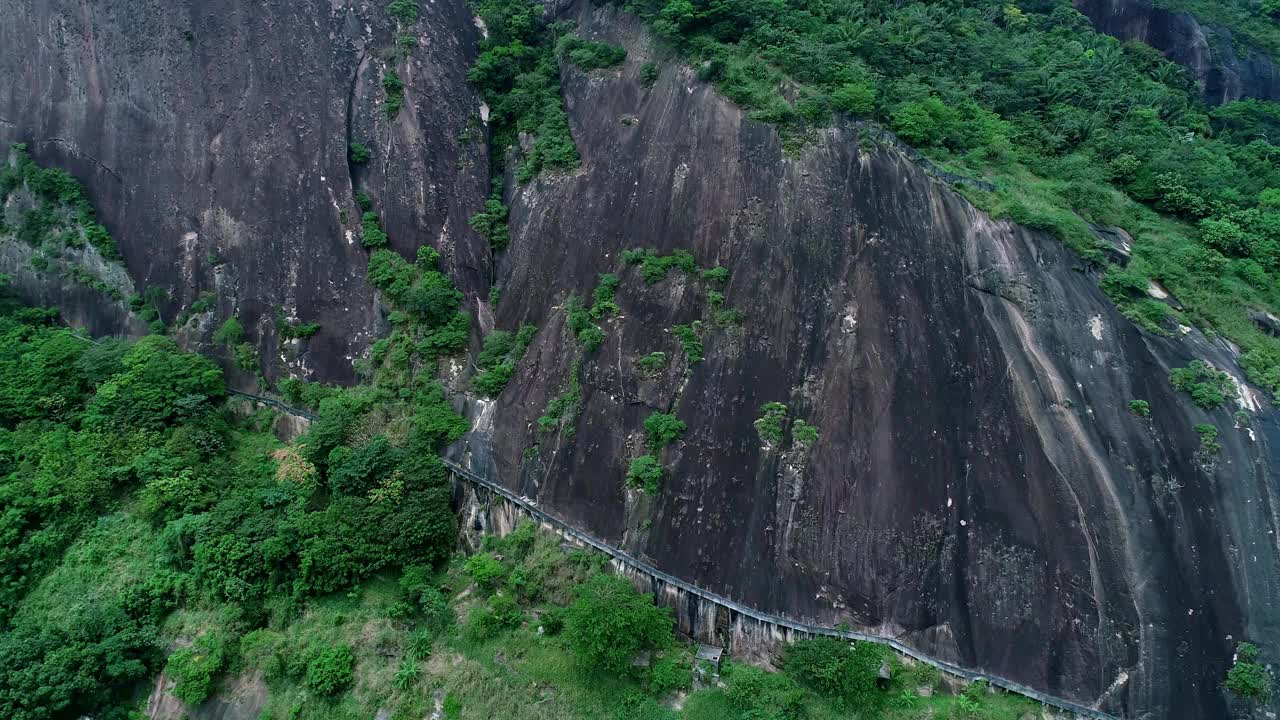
x,y
134,436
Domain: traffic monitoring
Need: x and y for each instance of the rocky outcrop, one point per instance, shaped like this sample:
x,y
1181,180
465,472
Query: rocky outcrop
x,y
1225,68
212,138
979,487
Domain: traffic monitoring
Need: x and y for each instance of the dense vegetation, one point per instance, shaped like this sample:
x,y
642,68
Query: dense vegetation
x,y
125,453
519,76
1070,126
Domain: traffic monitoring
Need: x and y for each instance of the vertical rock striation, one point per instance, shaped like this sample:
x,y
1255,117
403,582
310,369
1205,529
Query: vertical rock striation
x,y
979,488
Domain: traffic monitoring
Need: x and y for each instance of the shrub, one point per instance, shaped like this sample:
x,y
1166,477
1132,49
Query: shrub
x,y
362,199
194,669
486,622
579,321
690,341
490,383
497,360
564,407
230,333
730,317
417,584
1208,438
1141,408
1224,236
359,154
924,122
330,671
804,434
609,623
761,695
492,223
670,673
552,620
404,12
635,256
246,356
663,429
1247,678
604,304
371,231
855,98
591,338
289,330
1208,387
394,88
769,424
486,571
204,303
653,363
648,75
716,275
837,669
588,54
654,267
645,474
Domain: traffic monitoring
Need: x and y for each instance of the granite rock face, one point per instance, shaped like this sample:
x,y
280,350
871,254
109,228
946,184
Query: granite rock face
x,y
212,137
979,487
1225,69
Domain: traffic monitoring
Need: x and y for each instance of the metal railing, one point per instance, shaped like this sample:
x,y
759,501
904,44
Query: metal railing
x,y
641,566
277,404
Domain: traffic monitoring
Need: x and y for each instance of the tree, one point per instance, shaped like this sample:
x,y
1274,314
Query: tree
x,y
609,623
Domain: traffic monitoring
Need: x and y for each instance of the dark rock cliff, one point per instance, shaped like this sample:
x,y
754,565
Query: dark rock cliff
x,y
1225,69
980,487
212,137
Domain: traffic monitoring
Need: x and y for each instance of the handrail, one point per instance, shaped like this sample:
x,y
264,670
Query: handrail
x,y
768,618
288,410
621,556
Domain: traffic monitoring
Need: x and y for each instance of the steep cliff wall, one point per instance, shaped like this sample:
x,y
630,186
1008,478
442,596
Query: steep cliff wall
x,y
1225,69
212,137
979,488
